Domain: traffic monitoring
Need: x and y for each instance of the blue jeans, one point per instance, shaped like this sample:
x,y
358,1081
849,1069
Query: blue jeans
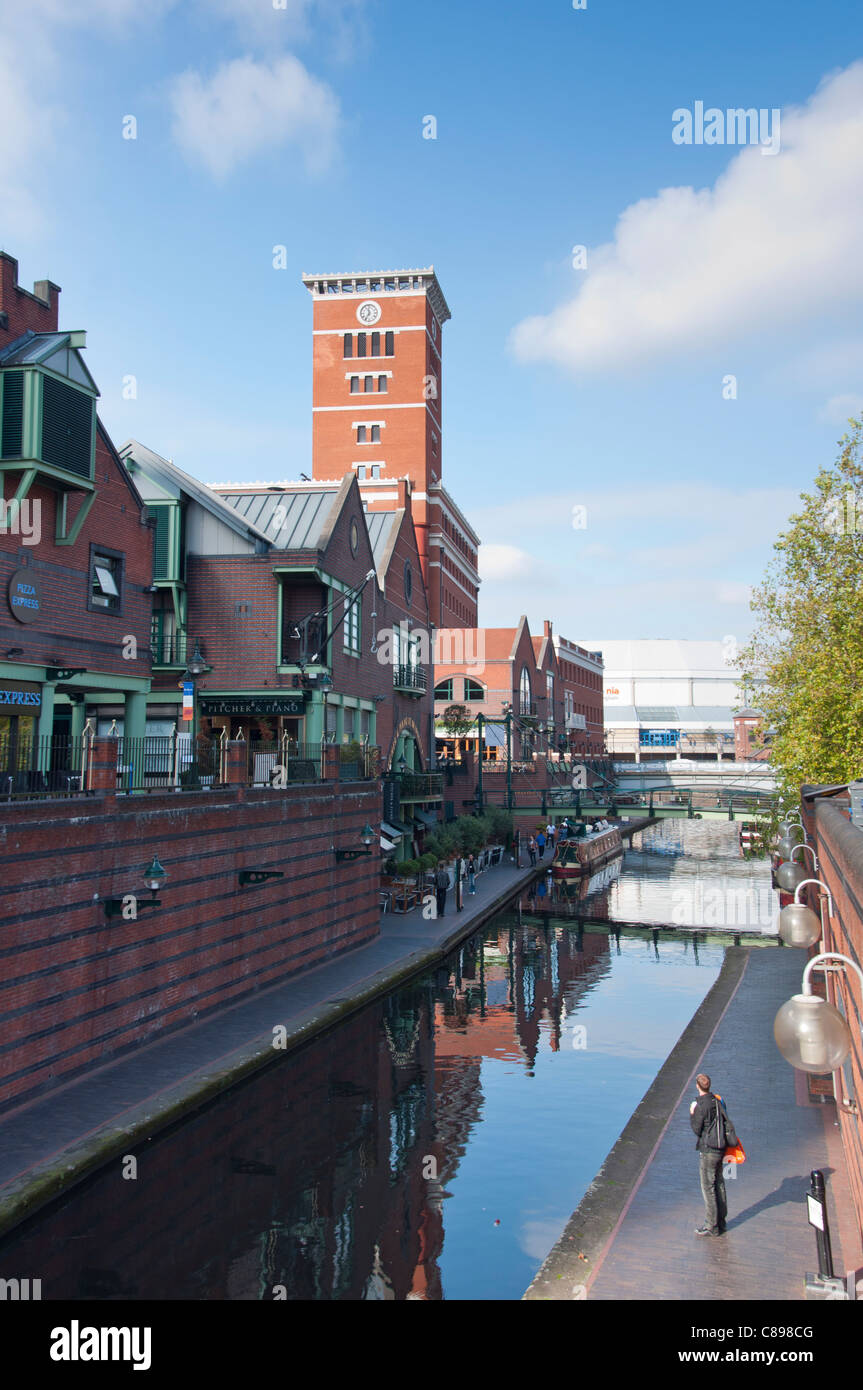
x,y
713,1188
471,882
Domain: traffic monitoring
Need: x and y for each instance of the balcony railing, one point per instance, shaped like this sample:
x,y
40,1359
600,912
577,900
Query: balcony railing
x,y
411,679
421,786
169,650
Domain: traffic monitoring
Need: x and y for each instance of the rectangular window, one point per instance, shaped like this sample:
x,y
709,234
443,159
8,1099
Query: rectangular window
x,y
376,345
389,344
361,345
361,472
355,385
376,434
348,723
376,470
382,383
106,580
349,345
369,383
352,625
361,434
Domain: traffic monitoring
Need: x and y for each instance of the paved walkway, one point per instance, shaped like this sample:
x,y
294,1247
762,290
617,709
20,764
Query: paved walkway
x,y
77,1127
638,1236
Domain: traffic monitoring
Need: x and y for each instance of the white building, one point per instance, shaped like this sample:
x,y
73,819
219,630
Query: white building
x,y
666,698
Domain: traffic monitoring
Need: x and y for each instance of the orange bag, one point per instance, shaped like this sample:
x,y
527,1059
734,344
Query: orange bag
x,y
735,1153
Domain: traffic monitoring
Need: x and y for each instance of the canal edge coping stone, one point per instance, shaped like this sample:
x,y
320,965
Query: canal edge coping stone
x,y
574,1260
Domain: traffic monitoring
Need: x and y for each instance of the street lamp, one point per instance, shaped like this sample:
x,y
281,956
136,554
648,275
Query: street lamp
x,y
128,905
798,924
789,876
810,1033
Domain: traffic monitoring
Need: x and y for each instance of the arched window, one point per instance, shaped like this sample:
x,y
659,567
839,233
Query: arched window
x,y
524,693
443,690
473,690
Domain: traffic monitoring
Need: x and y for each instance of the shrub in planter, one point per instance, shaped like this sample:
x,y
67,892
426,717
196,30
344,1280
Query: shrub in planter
x,y
427,862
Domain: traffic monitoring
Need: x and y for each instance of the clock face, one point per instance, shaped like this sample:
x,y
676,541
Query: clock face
x,y
368,312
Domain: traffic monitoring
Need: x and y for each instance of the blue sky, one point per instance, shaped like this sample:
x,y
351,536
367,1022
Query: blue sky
x,y
599,387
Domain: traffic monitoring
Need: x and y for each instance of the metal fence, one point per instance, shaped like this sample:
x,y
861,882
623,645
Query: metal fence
x,y
54,766
50,765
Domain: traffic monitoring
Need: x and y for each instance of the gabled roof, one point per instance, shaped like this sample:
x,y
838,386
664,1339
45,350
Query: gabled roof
x,y
173,482
60,352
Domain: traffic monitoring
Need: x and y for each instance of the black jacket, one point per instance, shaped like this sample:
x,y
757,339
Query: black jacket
x,y
709,1137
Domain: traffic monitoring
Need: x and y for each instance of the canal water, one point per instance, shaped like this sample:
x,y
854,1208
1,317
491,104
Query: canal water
x,y
433,1145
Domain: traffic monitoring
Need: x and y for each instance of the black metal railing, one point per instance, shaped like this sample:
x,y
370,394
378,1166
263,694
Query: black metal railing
x,y
411,678
422,786
50,765
169,650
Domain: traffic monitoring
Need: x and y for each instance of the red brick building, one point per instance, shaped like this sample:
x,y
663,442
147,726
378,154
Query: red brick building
x,y
581,680
76,552
377,394
553,687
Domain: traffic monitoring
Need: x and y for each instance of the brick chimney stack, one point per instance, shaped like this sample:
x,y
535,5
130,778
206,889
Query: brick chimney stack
x,y
546,629
21,310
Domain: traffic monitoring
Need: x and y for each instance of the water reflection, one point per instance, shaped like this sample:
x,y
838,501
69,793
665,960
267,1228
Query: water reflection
x,y
433,1145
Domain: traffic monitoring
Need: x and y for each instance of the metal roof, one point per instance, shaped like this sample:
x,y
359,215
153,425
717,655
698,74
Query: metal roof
x,y
33,348
380,526
289,520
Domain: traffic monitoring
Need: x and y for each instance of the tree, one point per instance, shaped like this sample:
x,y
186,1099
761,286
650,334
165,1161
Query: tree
x,y
806,653
458,722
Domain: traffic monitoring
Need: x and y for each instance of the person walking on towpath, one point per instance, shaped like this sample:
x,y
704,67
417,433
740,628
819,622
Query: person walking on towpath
x,y
713,1132
471,874
549,833
441,883
540,844
531,850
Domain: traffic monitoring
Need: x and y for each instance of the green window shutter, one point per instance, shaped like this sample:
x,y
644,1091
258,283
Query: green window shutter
x,y
161,543
67,427
13,415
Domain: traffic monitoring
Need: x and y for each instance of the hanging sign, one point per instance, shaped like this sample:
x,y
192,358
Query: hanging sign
x,y
188,700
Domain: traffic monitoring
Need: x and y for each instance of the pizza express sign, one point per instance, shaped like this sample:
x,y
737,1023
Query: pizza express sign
x,y
239,705
25,599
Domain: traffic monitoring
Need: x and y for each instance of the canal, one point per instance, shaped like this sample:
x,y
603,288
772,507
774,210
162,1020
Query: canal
x,y
434,1144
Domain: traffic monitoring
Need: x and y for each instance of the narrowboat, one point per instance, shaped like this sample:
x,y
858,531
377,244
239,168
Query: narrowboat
x,y
585,853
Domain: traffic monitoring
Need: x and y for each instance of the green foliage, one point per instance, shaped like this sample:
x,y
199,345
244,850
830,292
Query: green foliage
x,y
409,868
427,862
350,752
501,825
457,720
807,647
442,842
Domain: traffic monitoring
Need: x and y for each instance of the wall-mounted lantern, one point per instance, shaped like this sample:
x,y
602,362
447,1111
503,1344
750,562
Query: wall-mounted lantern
x,y
367,835
155,877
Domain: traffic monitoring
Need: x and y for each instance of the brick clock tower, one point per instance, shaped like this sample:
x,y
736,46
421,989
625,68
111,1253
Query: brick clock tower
x,y
376,400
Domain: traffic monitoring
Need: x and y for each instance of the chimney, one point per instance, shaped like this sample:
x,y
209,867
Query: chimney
x,y
546,629
20,310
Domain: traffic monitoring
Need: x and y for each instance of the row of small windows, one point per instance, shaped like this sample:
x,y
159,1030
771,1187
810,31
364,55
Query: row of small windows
x,y
369,384
472,690
368,434
370,349
373,471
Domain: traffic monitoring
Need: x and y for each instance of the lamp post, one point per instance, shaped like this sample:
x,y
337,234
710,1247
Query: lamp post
x,y
479,751
810,1033
194,669
507,719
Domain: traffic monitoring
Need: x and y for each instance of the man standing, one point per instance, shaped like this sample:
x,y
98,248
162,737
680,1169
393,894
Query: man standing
x,y
540,844
713,1131
441,883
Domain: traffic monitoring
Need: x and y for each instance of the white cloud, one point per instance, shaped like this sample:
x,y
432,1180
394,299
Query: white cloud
x,y
505,562
839,409
285,20
247,107
776,240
